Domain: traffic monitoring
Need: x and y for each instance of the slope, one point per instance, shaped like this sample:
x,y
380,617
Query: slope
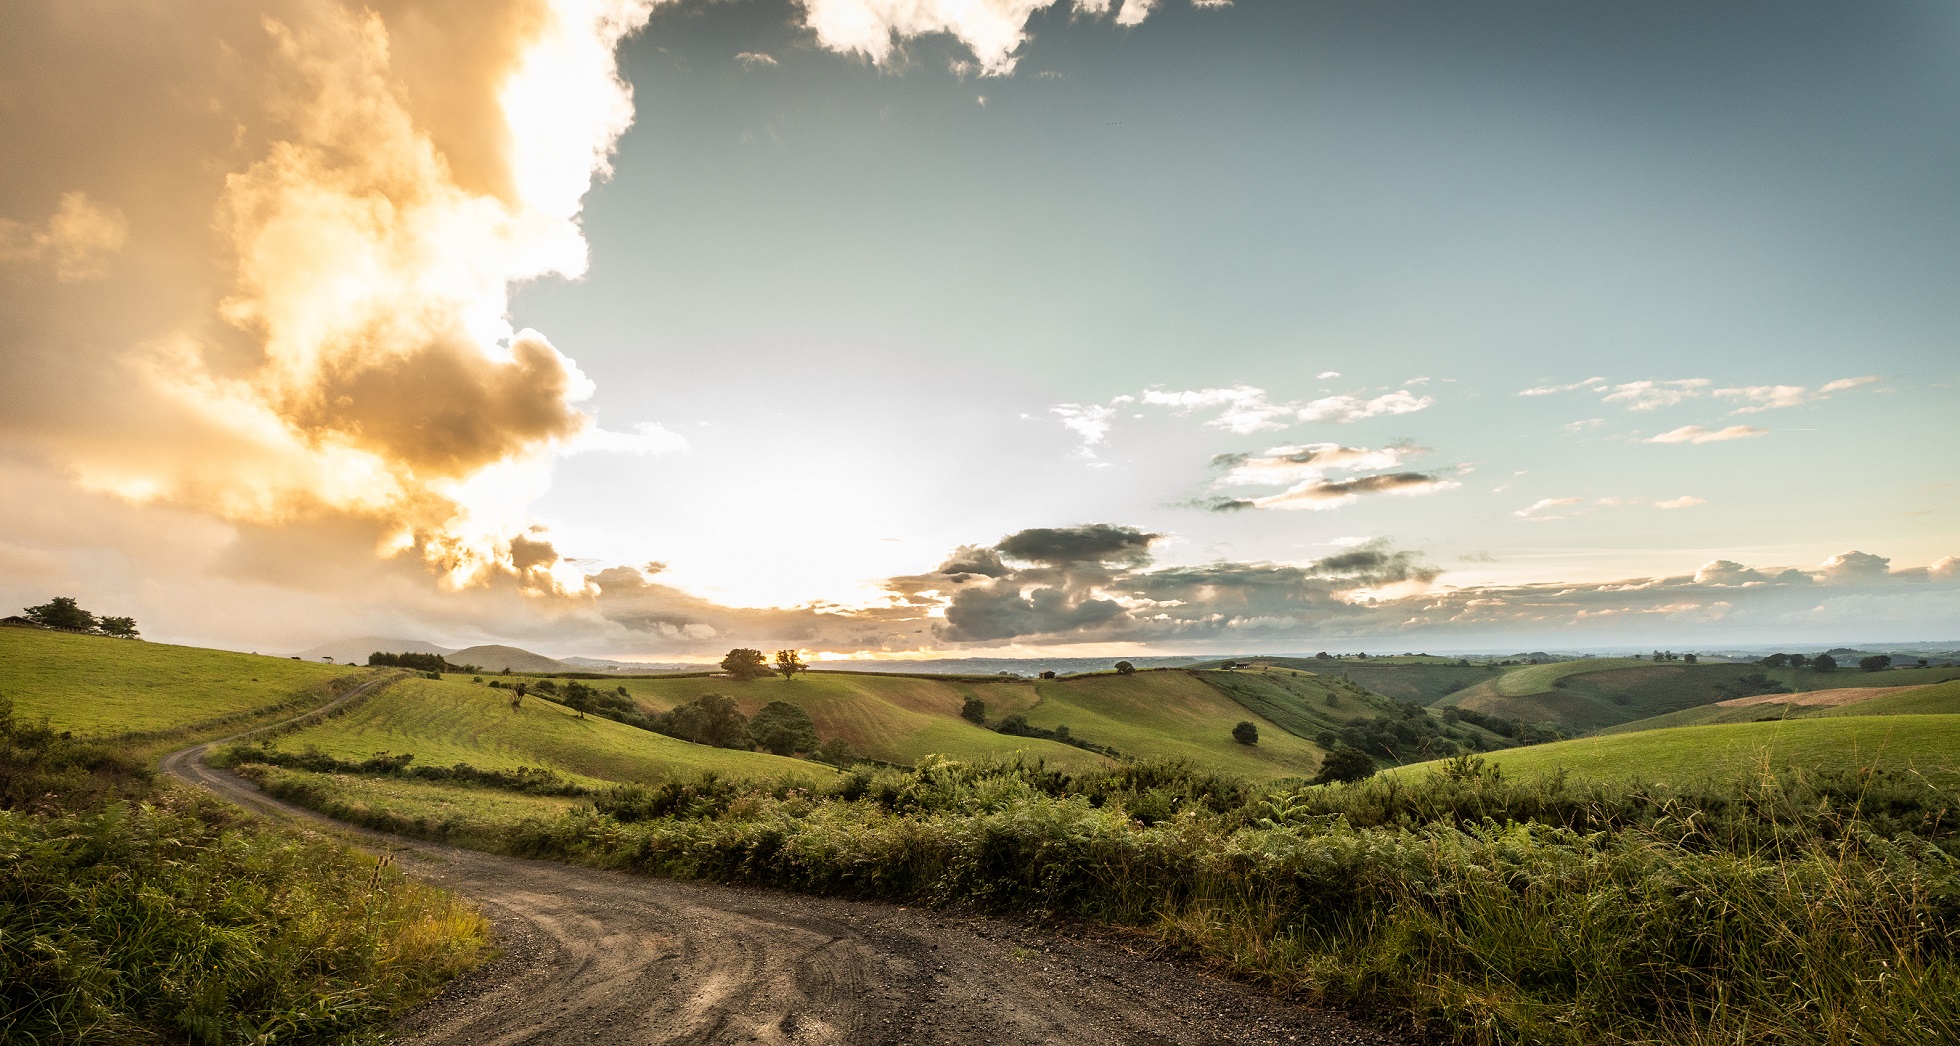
x,y
895,719
1170,713
1924,744
1937,698
444,723
1584,696
495,658
105,687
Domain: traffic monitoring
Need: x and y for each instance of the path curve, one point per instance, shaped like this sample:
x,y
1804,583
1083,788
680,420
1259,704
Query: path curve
x,y
602,957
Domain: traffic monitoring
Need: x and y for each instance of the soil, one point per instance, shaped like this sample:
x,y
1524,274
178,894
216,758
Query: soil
x,y
591,956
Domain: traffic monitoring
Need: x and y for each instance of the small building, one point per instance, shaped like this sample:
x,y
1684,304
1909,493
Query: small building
x,y
17,621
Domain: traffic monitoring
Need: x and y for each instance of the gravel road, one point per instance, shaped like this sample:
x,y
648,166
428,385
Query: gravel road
x,y
604,957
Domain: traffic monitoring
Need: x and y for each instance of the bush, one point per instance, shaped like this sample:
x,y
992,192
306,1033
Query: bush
x,y
1345,763
784,729
974,710
1246,733
711,719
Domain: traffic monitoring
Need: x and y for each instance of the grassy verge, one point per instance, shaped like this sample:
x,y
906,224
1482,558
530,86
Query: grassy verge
x,y
131,913
1776,909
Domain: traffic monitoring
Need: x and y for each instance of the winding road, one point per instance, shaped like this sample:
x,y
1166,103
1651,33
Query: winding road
x,y
592,956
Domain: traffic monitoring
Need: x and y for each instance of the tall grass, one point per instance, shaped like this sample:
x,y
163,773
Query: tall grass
x,y
1776,909
132,915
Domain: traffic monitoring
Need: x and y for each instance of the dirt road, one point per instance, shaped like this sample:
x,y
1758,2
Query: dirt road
x,y
609,958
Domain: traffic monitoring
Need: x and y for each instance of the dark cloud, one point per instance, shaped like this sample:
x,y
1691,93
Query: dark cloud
x,y
1333,492
1093,543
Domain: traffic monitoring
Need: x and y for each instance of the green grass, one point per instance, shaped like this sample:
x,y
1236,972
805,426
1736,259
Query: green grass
x,y
1171,714
1934,699
1584,696
452,812
1523,680
893,719
103,687
1302,703
1927,745
1805,679
444,723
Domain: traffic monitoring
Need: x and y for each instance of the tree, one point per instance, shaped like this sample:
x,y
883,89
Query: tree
x,y
784,729
974,710
1824,663
516,695
1124,668
789,662
1246,733
1875,663
711,719
1345,763
1798,660
1323,656
580,698
744,663
1689,658
1775,661
61,612
120,627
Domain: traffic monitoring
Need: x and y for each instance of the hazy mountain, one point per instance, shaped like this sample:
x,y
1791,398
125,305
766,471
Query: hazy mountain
x,y
494,658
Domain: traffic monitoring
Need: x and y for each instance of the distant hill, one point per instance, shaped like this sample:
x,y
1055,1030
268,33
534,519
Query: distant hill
x,y
355,651
600,664
492,657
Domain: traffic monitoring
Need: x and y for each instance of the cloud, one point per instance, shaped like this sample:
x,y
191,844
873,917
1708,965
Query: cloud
x,y
1091,421
1700,434
1850,568
752,59
992,30
1759,398
1536,509
1549,390
1729,573
1324,375
1306,468
1653,395
79,238
1945,568
646,438
1247,409
1685,501
1318,494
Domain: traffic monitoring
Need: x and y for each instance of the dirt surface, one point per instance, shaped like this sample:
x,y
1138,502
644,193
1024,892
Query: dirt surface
x,y
1849,695
605,957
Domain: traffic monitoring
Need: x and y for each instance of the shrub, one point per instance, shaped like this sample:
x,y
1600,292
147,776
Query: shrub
x,y
1246,733
974,710
784,729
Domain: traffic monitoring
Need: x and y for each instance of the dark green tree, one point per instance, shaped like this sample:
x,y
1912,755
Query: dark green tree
x,y
789,662
120,627
711,719
974,710
61,612
745,663
1345,763
1875,663
784,729
580,698
1824,663
1124,668
1246,733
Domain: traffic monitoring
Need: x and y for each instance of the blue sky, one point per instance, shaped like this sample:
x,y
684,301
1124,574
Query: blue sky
x,y
1118,326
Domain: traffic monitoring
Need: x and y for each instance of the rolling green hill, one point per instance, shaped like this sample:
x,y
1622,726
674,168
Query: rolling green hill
x,y
1584,696
1421,679
1171,714
443,723
1925,744
1938,698
103,687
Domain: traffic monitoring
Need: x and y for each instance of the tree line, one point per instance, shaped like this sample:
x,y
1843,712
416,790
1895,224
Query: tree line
x,y
65,614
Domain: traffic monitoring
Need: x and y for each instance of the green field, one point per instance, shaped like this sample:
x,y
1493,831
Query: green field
x,y
1171,714
444,804
1928,745
1303,703
103,687
893,719
1935,699
444,723
1584,696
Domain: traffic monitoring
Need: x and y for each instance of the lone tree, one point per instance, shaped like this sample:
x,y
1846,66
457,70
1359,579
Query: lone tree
x,y
1823,663
744,663
1124,668
784,729
974,710
1875,663
61,612
711,719
1345,763
789,662
1246,733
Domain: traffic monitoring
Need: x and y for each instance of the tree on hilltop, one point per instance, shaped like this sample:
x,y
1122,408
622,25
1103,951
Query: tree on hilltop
x,y
788,662
62,612
745,663
1124,668
1823,663
1875,663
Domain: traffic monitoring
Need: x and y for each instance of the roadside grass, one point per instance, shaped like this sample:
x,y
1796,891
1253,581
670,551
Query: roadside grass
x,y
1174,715
102,687
136,914
458,814
1923,745
1764,909
893,719
444,723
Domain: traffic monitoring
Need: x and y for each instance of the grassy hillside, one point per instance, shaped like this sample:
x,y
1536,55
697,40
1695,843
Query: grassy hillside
x,y
1925,744
1584,696
895,719
1937,699
103,687
1174,714
1302,703
444,723
1421,679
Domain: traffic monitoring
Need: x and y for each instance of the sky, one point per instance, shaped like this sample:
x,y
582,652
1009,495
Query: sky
x,y
644,330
